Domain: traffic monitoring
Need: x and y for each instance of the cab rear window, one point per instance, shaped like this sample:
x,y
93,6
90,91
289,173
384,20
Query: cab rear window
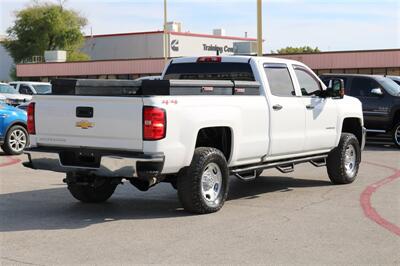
x,y
210,71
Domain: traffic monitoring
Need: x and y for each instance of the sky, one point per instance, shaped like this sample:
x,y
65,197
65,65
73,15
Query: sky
x,y
331,25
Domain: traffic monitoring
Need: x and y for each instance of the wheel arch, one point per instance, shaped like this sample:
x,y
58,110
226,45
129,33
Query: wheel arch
x,y
396,117
16,123
219,137
354,126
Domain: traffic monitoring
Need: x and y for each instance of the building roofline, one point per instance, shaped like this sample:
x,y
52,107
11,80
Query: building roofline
x,y
341,52
172,33
93,61
124,34
212,36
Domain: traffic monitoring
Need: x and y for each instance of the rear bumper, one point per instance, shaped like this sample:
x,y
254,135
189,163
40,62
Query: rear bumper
x,y
97,162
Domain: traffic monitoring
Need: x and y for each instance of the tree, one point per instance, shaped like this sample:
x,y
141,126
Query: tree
x,y
297,50
45,26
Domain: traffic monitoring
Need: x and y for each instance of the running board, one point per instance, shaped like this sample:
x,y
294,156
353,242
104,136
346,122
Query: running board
x,y
376,131
285,166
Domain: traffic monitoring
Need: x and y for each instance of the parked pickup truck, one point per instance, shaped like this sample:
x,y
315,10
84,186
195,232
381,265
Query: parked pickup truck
x,y
380,98
207,119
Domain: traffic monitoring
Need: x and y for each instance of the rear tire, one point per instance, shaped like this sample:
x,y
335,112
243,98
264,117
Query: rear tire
x,y
343,161
95,192
203,186
396,134
16,140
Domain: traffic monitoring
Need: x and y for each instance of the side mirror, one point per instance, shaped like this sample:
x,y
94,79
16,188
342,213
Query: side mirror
x,y
377,92
335,88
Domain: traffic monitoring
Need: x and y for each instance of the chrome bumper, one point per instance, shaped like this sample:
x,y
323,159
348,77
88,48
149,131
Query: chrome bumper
x,y
109,163
364,137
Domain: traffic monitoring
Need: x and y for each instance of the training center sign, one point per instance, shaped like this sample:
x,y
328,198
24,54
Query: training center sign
x,y
182,45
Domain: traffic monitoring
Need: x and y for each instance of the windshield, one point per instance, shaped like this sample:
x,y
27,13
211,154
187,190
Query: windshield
x,y
7,89
42,89
390,86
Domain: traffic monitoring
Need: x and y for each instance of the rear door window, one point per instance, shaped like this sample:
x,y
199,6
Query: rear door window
x,y
210,71
279,80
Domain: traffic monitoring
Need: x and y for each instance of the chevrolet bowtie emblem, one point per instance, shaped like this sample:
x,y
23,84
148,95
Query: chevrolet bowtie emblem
x,y
84,124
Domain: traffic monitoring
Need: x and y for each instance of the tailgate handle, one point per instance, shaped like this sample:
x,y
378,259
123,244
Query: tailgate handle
x,y
83,111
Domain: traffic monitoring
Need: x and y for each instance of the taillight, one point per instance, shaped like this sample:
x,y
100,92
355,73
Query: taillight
x,y
209,59
31,119
154,123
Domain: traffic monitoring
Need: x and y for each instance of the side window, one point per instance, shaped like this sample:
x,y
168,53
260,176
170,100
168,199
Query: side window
x,y
23,89
279,80
308,84
362,87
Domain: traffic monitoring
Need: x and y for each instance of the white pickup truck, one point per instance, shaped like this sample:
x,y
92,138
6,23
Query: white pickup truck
x,y
207,119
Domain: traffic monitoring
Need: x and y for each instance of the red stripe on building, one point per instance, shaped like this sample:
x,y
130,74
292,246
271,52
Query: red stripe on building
x,y
88,68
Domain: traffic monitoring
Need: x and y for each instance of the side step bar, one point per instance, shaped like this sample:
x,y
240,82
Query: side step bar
x,y
285,166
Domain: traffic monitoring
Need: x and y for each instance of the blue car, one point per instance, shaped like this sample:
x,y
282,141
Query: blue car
x,y
13,129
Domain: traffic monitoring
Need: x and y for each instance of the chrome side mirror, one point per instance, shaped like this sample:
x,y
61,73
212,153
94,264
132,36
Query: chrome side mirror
x,y
377,91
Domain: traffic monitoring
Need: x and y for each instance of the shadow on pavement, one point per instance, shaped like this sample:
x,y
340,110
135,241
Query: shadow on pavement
x,y
52,209
380,147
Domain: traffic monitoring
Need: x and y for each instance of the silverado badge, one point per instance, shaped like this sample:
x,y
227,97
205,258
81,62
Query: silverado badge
x,y
84,124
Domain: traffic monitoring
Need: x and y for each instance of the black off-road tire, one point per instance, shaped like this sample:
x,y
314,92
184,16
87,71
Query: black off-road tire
x,y
93,193
7,148
190,182
336,160
396,135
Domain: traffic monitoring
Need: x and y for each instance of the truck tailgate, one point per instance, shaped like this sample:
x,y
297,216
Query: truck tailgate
x,y
89,121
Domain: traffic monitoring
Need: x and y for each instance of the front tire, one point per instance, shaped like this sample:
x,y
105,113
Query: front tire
x,y
93,192
343,161
203,186
396,135
16,140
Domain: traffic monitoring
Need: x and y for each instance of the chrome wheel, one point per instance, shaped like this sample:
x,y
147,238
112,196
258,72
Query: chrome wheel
x,y
17,141
211,182
397,135
350,160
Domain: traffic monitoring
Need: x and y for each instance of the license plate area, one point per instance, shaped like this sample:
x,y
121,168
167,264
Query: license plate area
x,y
80,159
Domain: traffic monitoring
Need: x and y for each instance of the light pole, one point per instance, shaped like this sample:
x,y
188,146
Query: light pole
x,y
259,28
165,35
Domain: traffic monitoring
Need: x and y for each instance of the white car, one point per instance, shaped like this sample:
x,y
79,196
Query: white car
x,y
31,87
12,96
207,119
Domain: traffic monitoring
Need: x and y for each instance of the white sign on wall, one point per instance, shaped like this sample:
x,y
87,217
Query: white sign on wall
x,y
199,46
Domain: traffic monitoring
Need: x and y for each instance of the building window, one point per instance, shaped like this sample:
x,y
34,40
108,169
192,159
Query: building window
x,y
122,76
366,71
393,71
351,71
340,71
379,71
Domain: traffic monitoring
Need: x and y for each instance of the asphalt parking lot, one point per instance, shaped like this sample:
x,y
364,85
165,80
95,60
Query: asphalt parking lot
x,y
296,218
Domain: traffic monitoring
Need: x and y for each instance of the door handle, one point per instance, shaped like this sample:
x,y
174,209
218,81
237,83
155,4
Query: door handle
x,y
277,107
310,107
